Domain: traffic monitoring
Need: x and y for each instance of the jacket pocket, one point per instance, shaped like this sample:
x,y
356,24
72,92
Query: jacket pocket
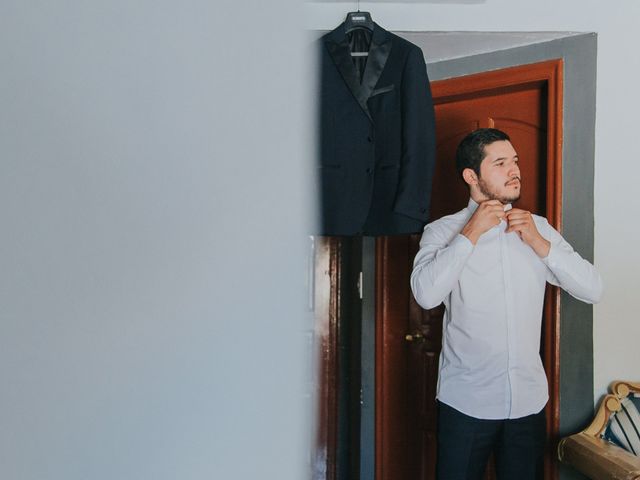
x,y
380,90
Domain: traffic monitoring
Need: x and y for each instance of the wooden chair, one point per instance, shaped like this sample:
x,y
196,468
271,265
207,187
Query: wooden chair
x,y
594,456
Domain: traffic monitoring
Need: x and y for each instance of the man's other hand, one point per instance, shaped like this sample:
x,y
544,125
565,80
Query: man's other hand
x,y
487,215
521,222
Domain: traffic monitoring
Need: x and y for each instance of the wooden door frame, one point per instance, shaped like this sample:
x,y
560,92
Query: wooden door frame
x,y
551,74
336,262
326,294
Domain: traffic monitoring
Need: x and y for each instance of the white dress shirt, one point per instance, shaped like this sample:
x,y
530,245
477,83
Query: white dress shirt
x,y
493,293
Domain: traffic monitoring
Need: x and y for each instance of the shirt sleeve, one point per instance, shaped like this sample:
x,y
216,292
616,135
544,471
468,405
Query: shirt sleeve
x,y
568,270
437,266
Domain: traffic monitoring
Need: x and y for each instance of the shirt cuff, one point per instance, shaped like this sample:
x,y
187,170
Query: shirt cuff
x,y
551,260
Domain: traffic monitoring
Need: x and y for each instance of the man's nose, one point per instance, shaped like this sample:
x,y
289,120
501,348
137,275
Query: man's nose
x,y
514,171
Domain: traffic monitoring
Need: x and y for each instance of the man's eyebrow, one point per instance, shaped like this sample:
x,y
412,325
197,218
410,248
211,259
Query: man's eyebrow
x,y
499,159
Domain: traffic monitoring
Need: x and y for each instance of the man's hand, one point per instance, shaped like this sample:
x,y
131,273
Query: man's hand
x,y
521,222
487,215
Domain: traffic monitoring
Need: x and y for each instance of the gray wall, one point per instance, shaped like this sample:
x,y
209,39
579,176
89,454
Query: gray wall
x,y
153,206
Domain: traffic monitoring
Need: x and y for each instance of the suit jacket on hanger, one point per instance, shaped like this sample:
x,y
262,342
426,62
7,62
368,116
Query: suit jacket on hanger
x,y
377,137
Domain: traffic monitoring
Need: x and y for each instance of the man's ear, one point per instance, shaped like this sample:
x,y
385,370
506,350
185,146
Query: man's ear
x,y
470,176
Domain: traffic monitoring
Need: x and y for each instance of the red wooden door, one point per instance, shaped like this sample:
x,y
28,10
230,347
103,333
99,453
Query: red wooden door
x,y
522,102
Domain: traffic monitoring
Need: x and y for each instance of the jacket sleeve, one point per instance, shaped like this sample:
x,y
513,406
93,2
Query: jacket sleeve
x,y
568,270
418,140
437,266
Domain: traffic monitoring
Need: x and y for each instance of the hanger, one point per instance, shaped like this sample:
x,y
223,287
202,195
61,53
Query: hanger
x,y
358,20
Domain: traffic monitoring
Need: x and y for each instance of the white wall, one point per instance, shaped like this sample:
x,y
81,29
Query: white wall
x,y
617,232
153,214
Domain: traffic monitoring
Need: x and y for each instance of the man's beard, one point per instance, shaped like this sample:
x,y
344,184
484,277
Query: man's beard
x,y
492,195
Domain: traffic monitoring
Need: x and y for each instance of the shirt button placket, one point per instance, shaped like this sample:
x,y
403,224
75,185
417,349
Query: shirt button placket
x,y
512,387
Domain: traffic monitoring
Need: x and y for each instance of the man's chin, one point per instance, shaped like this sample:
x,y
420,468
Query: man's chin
x,y
506,200
509,197
512,199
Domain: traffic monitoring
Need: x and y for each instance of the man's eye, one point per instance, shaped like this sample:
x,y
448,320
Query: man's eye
x,y
500,164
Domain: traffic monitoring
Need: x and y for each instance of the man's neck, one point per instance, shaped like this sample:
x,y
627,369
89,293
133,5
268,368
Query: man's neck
x,y
478,197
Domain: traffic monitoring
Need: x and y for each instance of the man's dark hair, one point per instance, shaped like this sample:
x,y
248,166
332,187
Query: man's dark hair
x,y
470,152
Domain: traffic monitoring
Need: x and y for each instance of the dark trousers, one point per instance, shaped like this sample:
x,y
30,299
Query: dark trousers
x,y
465,443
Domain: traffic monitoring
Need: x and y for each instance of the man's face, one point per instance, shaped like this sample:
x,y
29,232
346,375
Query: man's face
x,y
499,177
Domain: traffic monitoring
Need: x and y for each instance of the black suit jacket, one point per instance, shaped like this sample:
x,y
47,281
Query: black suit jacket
x,y
377,137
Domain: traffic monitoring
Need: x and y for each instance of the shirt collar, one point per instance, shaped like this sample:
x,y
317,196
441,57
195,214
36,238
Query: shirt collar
x,y
472,206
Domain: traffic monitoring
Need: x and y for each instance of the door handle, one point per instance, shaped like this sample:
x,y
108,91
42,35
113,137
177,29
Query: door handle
x,y
416,337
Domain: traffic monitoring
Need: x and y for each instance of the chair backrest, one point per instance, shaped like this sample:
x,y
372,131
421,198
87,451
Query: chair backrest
x,y
623,427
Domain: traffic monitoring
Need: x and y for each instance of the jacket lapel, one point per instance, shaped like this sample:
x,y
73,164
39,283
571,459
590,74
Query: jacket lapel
x,y
341,55
378,54
337,44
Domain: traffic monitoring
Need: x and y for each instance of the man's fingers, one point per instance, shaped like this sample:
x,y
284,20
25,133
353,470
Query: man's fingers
x,y
515,228
516,212
492,206
523,217
495,209
519,219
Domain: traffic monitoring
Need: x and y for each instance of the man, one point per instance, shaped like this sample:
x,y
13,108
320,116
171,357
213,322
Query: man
x,y
489,264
